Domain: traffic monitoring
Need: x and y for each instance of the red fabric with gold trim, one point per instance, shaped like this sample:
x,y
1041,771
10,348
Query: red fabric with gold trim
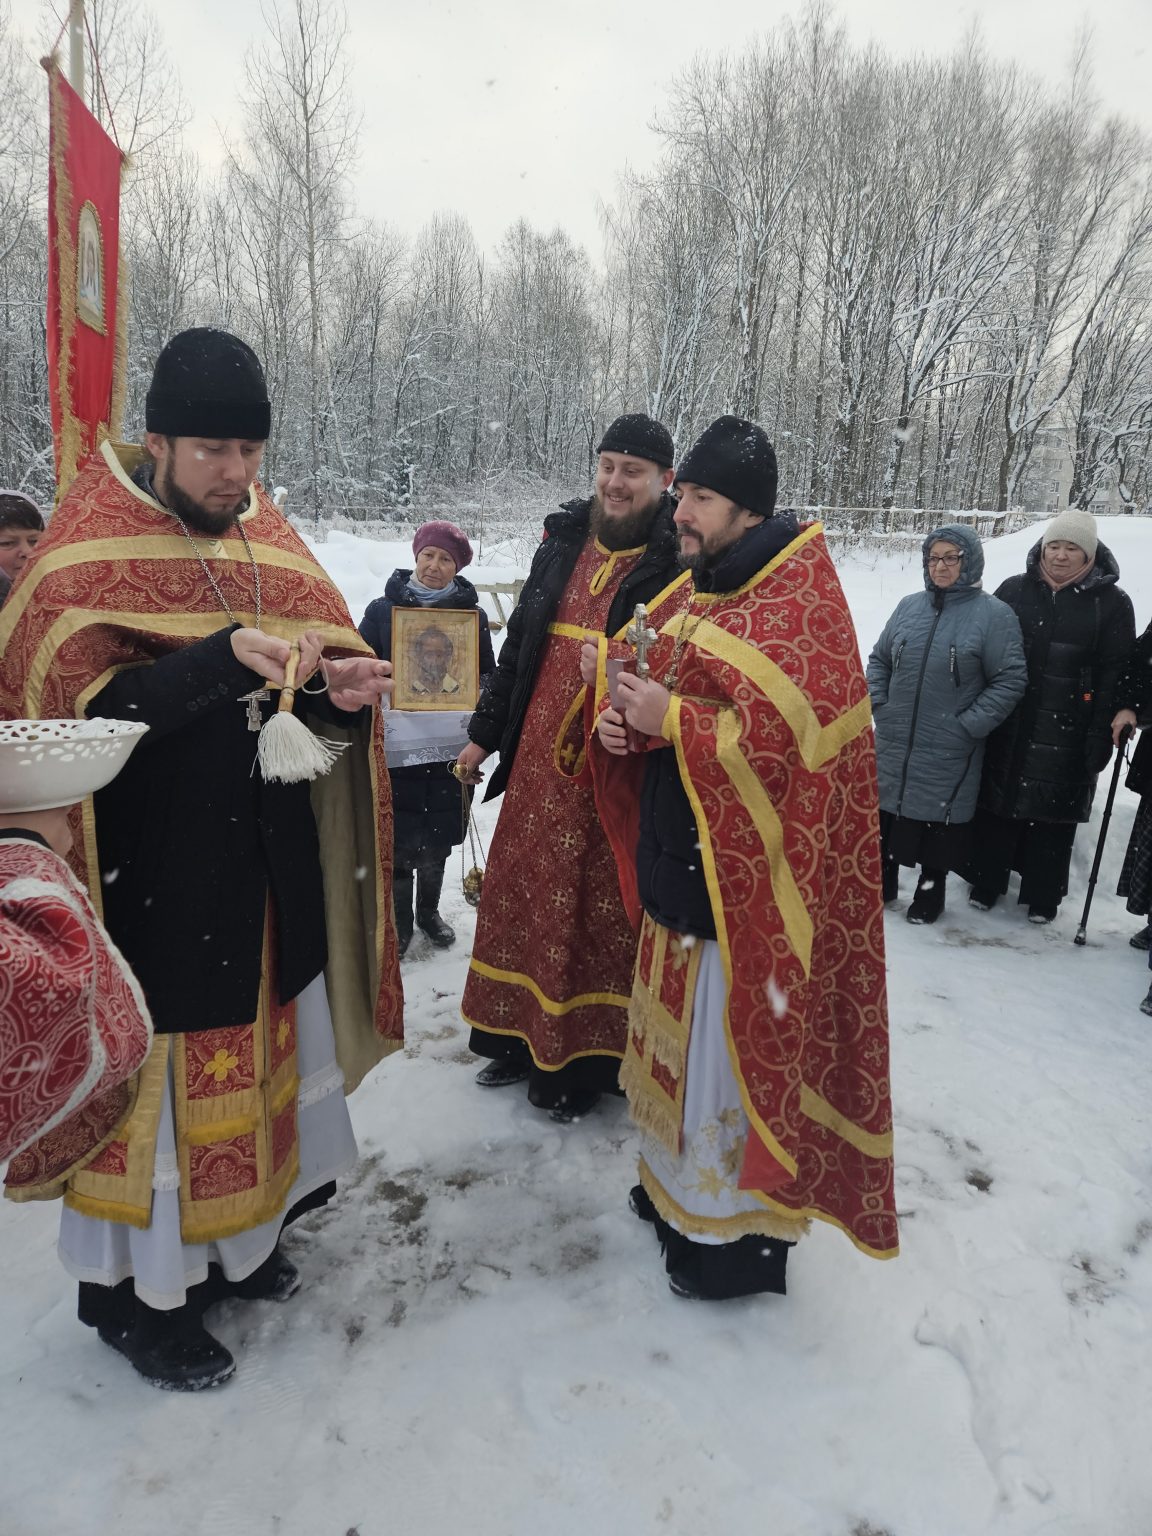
x,y
82,607
115,584
83,275
771,729
110,563
73,1025
551,923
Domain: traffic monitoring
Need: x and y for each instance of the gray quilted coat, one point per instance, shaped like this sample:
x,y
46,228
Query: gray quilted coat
x,y
948,668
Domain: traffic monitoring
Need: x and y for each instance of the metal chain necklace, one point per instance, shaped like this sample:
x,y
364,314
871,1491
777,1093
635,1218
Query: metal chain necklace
x,y
213,583
672,676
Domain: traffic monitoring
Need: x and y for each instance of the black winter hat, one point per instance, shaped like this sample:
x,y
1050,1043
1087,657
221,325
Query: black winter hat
x,y
641,437
208,383
734,458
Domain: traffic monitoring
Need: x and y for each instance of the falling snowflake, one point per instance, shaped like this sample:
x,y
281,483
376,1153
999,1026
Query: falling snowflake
x,y
777,999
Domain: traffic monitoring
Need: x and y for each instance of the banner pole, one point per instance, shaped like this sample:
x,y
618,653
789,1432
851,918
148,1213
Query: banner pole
x,y
76,47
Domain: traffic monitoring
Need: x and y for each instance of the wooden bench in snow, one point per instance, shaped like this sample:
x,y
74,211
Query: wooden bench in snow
x,y
499,591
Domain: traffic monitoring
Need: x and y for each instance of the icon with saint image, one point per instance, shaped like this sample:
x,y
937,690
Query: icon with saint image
x,y
436,658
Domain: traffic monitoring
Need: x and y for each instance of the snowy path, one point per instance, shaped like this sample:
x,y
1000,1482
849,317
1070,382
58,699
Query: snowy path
x,y
486,1342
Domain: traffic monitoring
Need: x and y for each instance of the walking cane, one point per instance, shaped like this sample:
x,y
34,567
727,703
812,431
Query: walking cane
x,y
1107,817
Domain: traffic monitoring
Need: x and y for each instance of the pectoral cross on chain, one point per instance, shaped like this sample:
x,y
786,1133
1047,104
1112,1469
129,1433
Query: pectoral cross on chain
x,y
640,635
254,700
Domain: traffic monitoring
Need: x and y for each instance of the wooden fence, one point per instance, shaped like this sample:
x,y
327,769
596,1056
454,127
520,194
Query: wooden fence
x,y
501,592
921,520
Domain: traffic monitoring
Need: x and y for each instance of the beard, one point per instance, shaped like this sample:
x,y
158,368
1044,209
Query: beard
x,y
702,558
712,546
625,530
194,513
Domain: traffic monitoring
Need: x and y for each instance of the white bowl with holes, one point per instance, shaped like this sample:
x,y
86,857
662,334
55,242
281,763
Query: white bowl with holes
x,y
49,763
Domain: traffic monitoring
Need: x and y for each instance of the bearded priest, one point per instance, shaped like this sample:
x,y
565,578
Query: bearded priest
x,y
757,1060
547,989
257,917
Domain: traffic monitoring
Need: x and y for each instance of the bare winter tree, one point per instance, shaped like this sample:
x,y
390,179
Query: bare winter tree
x,y
302,134
134,92
1081,235
25,430
913,272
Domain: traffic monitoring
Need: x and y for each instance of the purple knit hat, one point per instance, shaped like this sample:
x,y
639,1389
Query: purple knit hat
x,y
445,536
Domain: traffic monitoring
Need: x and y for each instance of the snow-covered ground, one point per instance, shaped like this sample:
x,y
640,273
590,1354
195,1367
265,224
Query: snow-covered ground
x,y
486,1341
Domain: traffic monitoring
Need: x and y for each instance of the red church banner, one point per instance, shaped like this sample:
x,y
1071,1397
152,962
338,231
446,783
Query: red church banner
x,y
85,325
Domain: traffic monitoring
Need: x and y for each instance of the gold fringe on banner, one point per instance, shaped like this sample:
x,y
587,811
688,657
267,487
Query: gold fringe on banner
x,y
66,279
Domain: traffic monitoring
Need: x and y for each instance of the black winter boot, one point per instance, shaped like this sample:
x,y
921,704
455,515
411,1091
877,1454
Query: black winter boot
x,y
172,1350
402,884
748,1267
429,884
275,1280
928,902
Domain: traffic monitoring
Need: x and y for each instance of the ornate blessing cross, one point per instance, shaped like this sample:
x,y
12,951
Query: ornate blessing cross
x,y
640,635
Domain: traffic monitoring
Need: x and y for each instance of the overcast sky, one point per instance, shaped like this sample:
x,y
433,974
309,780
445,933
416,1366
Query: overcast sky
x,y
507,108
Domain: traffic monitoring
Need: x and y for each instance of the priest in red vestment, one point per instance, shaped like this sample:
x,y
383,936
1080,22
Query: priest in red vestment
x,y
757,1061
170,590
551,971
73,1023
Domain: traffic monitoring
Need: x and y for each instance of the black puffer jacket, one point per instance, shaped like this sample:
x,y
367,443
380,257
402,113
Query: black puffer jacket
x,y
1041,764
1134,692
427,807
499,716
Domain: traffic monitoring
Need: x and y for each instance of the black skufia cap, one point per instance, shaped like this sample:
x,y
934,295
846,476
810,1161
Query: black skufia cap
x,y
208,383
734,458
641,437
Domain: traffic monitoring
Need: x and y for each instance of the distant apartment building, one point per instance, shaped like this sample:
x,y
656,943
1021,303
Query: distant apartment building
x,y
1049,478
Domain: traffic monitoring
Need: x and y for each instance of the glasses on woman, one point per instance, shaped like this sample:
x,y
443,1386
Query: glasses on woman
x,y
948,560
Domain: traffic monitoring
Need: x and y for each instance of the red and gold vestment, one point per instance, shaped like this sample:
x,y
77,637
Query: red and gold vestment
x,y
770,723
555,949
115,584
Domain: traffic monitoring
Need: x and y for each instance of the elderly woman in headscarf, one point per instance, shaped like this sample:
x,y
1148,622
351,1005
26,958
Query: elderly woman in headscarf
x,y
430,817
947,669
1041,765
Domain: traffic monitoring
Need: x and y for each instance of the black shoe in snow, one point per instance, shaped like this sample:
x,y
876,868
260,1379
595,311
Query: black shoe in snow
x,y
403,932
187,1359
436,928
275,1280
982,899
924,910
502,1073
1041,915
1146,1003
1142,940
750,1266
573,1107
928,899
640,1203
